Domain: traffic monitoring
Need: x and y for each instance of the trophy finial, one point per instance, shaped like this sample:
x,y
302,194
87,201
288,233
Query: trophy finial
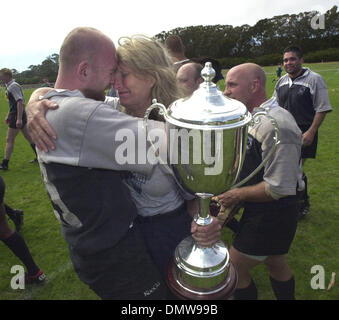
x,y
208,72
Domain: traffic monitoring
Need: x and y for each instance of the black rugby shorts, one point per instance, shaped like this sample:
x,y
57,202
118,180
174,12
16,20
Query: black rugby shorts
x,y
309,152
267,232
12,117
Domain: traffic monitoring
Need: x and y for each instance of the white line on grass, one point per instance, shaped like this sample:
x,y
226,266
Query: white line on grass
x,y
33,290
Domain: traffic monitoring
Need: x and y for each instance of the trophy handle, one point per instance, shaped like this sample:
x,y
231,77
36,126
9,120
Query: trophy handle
x,y
256,119
162,112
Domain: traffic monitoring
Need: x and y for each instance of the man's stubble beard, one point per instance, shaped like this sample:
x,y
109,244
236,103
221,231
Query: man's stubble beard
x,y
94,94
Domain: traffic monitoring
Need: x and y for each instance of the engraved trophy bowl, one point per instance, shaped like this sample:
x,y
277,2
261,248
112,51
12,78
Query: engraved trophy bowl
x,y
206,144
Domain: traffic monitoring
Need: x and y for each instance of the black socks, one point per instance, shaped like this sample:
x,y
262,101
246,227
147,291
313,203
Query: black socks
x,y
248,293
283,290
17,244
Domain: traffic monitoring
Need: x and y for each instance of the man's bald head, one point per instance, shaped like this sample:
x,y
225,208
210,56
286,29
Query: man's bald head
x,y
189,77
87,63
246,83
80,44
251,71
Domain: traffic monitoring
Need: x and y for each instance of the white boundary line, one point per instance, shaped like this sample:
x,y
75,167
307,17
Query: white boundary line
x,y
31,291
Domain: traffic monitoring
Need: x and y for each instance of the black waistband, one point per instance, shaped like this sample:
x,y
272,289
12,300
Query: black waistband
x,y
178,211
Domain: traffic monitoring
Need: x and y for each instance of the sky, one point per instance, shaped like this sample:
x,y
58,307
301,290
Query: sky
x,y
33,30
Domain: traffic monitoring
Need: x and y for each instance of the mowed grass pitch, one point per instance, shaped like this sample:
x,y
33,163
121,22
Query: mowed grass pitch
x,y
316,241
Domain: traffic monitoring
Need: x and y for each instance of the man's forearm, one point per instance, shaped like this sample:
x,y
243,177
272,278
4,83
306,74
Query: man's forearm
x,y
255,193
19,109
318,119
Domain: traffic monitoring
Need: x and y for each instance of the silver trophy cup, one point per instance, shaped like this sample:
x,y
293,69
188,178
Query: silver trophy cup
x,y
206,145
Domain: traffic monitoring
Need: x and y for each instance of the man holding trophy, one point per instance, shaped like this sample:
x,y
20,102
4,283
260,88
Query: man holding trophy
x,y
269,221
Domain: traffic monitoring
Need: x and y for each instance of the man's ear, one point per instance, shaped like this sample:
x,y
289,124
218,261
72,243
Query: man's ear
x,y
82,70
302,60
255,84
200,80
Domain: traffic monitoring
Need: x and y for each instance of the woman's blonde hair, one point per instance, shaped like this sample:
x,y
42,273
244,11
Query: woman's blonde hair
x,y
148,57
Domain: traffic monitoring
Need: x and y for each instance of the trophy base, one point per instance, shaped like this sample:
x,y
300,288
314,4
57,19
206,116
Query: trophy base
x,y
184,291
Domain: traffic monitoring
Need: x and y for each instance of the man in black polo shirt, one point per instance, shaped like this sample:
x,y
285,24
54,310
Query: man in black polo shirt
x,y
304,94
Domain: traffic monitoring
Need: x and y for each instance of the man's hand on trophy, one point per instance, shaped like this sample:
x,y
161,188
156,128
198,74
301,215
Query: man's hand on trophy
x,y
230,198
206,236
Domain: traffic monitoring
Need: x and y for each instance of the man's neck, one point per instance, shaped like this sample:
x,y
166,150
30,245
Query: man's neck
x,y
257,101
66,83
296,75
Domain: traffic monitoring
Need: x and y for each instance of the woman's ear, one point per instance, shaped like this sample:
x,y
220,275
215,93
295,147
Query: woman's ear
x,y
151,81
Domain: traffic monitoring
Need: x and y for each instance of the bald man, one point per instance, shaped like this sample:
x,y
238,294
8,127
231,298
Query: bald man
x,y
269,220
189,77
84,180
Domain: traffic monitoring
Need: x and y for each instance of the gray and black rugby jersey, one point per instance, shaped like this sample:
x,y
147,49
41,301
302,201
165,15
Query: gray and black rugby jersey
x,y
83,177
282,170
304,96
14,93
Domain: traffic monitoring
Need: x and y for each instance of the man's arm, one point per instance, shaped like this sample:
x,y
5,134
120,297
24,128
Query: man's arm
x,y
308,136
321,105
19,112
38,127
255,193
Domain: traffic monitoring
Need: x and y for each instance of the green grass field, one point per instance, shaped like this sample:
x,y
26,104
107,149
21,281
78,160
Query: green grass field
x,y
316,241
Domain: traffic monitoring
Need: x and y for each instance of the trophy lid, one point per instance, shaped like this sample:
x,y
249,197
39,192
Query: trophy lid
x,y
207,107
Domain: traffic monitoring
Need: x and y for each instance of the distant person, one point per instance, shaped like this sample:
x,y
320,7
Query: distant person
x,y
46,83
16,117
278,72
303,93
189,77
112,92
176,50
15,242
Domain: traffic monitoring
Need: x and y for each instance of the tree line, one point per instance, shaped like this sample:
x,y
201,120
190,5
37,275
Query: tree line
x,y
263,43
48,69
